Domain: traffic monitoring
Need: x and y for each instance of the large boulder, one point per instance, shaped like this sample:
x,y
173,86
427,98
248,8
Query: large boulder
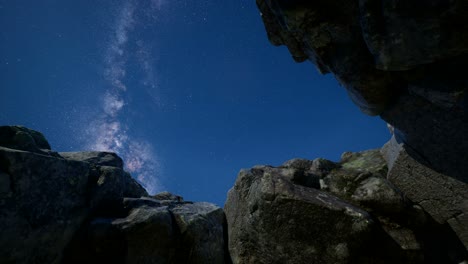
x,y
82,207
443,197
43,202
46,197
407,65
369,45
402,60
329,34
201,226
149,230
22,138
319,211
272,220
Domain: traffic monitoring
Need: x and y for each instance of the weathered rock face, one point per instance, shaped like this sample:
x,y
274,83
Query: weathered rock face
x,y
21,138
83,207
150,230
324,212
443,197
403,60
43,202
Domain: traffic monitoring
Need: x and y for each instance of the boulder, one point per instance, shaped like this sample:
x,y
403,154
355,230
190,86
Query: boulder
x,y
42,204
329,34
273,220
443,197
95,157
201,226
147,233
403,63
307,211
110,186
22,138
407,65
361,178
167,196
45,197
149,230
82,207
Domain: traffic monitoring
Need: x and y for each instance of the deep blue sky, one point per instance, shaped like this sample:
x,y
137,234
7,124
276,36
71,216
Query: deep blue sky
x,y
188,92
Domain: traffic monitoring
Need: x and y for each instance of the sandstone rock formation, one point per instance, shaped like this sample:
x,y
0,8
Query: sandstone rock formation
x,y
84,208
404,61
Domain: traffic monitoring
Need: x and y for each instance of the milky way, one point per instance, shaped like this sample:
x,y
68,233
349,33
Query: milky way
x,y
109,131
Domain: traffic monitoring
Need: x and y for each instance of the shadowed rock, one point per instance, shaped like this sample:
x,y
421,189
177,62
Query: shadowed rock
x,y
403,63
82,207
321,211
443,197
272,220
95,157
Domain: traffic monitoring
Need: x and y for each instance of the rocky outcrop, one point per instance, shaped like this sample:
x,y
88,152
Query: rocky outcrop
x,y
324,212
150,230
443,197
83,207
404,61
405,203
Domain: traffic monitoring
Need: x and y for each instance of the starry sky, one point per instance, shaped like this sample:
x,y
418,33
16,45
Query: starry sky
x,y
186,92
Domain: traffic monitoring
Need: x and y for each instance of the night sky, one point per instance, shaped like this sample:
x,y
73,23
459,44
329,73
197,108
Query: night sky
x,y
186,92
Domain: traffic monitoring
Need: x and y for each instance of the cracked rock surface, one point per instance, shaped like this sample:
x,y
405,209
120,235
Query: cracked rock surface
x,y
82,207
319,211
405,61
402,60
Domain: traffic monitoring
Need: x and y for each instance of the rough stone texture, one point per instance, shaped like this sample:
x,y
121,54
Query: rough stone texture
x,y
41,207
329,34
459,225
306,212
22,138
95,157
443,197
82,207
404,63
361,178
436,135
147,230
167,196
272,220
400,37
201,227
111,185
